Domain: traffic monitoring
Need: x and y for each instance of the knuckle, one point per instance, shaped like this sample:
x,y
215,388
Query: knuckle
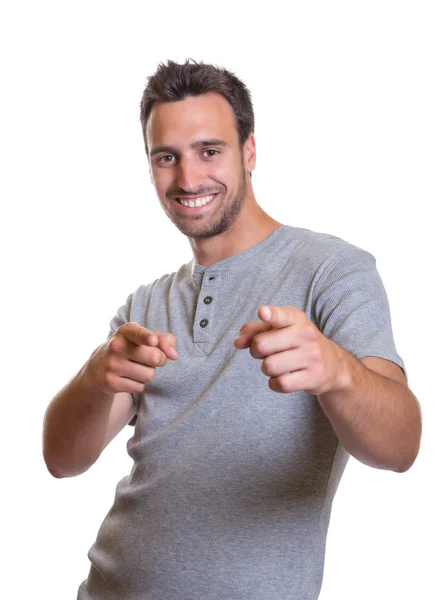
x,y
156,357
116,345
138,387
253,351
112,363
108,380
314,353
149,375
268,366
259,344
133,330
124,328
310,331
283,384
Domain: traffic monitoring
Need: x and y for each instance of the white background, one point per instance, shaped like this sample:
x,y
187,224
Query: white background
x,y
346,98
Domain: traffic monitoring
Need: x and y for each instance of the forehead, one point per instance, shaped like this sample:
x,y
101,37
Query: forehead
x,y
179,123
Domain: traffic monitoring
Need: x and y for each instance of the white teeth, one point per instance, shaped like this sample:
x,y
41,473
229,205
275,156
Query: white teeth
x,y
198,202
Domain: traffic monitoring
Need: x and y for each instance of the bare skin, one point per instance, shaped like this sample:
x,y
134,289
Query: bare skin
x,y
97,403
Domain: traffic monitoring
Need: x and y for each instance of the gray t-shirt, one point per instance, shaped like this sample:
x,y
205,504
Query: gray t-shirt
x,y
232,484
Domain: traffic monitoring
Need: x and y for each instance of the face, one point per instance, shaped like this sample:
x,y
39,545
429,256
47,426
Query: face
x,y
195,158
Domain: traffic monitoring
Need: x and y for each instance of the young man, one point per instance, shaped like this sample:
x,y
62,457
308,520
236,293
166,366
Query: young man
x,y
237,453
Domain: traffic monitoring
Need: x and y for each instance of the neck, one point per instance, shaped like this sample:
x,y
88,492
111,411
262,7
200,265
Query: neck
x,y
251,227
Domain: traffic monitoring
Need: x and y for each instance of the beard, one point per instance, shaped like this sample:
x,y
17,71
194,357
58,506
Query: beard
x,y
223,222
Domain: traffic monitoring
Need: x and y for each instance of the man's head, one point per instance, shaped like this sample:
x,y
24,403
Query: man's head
x,y
173,82
198,121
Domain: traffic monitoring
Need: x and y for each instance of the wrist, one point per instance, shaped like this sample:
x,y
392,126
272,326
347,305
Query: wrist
x,y
89,376
345,375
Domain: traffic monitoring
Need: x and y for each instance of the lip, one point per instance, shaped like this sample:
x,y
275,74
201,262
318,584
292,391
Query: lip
x,y
196,209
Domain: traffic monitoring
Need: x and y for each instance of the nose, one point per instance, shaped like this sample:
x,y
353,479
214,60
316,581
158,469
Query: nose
x,y
189,175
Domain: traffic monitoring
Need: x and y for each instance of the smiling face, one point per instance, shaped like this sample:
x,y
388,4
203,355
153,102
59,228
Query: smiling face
x,y
200,173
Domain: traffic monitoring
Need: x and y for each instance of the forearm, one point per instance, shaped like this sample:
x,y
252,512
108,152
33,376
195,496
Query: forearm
x,y
75,426
376,418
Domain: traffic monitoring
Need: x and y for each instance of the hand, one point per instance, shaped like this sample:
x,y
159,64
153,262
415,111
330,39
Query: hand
x,y
128,360
296,355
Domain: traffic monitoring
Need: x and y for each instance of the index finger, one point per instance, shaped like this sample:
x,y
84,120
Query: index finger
x,y
135,333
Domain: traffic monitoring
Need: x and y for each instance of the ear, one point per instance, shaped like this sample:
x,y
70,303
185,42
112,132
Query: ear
x,y
250,153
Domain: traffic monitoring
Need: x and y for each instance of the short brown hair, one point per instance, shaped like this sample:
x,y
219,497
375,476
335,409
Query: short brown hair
x,y
173,82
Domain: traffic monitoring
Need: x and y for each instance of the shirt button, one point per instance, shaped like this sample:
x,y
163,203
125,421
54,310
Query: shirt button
x,y
207,300
204,322
211,278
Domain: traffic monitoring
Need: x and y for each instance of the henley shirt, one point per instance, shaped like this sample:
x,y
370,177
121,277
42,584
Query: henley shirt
x,y
230,493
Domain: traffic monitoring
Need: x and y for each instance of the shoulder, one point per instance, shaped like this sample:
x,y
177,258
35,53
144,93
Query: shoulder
x,y
159,287
323,249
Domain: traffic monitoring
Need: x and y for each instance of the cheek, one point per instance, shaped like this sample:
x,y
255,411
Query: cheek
x,y
226,174
161,182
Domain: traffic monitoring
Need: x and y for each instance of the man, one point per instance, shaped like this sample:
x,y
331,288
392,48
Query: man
x,y
251,373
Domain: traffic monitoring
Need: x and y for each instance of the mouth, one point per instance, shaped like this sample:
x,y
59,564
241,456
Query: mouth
x,y
195,205
196,202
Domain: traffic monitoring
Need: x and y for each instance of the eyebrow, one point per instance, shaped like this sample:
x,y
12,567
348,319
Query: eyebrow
x,y
194,146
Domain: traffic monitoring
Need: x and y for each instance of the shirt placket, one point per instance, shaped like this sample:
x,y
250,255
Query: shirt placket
x,y
205,311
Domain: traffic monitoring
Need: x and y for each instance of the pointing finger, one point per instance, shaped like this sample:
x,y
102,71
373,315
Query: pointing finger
x,y
280,316
141,336
135,333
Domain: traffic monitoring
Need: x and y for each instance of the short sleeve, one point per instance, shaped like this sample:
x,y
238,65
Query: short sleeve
x,y
351,306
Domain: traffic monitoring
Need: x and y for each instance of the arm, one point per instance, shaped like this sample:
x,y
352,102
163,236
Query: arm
x,y
380,423
374,414
79,423
97,403
371,409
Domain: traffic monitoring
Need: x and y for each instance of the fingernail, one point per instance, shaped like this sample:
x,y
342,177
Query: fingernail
x,y
268,312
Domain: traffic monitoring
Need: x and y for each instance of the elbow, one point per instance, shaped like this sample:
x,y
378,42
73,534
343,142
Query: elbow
x,y
412,448
62,461
60,469
51,466
54,471
403,467
409,460
59,472
406,465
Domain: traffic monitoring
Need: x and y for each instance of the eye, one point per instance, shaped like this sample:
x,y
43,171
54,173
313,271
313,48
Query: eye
x,y
211,152
166,158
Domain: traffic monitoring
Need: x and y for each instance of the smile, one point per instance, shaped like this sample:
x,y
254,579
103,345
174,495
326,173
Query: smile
x,y
195,203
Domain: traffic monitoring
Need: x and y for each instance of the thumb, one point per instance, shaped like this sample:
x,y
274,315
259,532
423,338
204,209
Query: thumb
x,y
265,314
167,343
279,316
